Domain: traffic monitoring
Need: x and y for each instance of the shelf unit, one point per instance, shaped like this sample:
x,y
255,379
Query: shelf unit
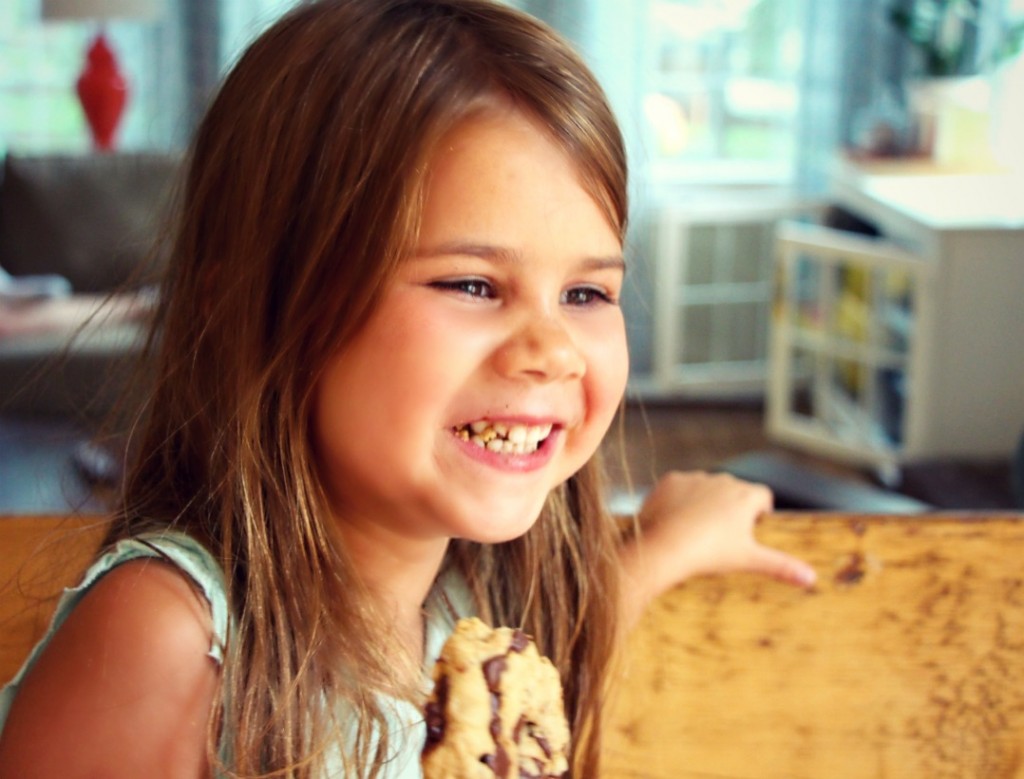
x,y
844,349
886,351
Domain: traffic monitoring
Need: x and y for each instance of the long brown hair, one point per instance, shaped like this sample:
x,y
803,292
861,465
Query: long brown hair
x,y
302,194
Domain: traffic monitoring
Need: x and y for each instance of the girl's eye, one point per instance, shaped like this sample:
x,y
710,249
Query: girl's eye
x,y
474,288
586,296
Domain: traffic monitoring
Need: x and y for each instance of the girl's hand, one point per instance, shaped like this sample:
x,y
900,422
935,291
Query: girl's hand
x,y
695,524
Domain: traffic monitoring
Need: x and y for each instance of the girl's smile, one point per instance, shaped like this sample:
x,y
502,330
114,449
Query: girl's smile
x,y
517,446
497,357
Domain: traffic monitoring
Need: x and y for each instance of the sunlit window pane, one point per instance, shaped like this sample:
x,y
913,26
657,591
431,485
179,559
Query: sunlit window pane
x,y
39,64
724,86
243,20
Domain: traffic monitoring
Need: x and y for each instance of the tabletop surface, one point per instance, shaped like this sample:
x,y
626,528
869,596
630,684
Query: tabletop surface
x,y
905,660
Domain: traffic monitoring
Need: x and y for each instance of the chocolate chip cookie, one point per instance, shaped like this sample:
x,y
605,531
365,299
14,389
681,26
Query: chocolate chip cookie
x,y
496,709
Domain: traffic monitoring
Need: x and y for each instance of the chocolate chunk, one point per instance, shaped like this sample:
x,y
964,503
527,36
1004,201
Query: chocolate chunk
x,y
435,715
542,743
493,669
495,727
519,641
498,762
517,731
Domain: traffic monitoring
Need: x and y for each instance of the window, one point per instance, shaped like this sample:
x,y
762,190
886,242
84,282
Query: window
x,y
38,109
721,99
39,64
242,21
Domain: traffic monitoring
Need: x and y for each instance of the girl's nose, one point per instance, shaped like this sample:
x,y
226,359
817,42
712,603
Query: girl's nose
x,y
541,349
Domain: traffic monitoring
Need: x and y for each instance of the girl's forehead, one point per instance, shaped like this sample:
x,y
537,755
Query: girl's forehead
x,y
500,130
500,186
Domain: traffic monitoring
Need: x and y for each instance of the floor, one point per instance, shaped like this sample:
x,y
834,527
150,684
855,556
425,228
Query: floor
x,y
37,470
661,436
40,464
656,437
652,438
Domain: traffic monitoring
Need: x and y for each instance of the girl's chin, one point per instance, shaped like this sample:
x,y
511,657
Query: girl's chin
x,y
501,529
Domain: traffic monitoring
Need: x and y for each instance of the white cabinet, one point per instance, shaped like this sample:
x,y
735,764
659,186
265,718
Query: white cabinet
x,y
713,261
911,347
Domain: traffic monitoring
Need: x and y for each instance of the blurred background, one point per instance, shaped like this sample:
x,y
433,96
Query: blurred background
x,y
715,96
768,140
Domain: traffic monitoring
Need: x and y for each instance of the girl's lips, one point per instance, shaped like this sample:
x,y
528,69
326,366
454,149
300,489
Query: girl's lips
x,y
511,462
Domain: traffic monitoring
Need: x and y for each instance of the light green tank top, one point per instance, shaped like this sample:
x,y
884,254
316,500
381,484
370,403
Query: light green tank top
x,y
449,601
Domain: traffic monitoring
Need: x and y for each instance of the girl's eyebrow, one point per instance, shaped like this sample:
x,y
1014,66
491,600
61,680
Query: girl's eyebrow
x,y
503,255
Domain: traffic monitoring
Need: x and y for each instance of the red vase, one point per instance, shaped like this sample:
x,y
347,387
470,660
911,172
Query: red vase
x,y
103,92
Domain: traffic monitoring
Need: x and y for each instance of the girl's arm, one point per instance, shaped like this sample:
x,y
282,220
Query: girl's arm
x,y
694,524
124,689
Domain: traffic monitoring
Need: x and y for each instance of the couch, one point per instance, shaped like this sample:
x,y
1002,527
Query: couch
x,y
90,220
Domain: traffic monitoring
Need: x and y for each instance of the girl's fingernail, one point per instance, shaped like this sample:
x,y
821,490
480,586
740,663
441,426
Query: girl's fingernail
x,y
807,576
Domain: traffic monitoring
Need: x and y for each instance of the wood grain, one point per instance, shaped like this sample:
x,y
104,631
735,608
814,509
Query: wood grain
x,y
39,556
907,660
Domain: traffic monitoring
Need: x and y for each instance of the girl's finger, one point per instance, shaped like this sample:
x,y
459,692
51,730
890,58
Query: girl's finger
x,y
784,567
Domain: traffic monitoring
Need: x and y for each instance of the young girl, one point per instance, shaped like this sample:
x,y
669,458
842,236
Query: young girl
x,y
388,349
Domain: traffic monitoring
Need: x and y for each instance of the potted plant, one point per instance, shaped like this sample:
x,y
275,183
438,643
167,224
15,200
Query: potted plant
x,y
943,33
950,89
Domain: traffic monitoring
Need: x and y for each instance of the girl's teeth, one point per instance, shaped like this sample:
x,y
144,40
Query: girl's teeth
x,y
504,438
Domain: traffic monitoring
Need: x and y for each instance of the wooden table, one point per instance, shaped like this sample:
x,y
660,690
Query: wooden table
x,y
39,556
905,662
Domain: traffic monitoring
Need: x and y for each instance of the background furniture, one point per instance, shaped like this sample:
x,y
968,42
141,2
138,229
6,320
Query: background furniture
x,y
42,459
92,220
713,255
886,351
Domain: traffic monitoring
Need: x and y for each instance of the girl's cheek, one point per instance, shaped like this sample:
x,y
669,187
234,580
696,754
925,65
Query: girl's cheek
x,y
612,356
609,372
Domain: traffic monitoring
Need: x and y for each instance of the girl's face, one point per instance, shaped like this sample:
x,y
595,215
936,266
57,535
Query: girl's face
x,y
497,357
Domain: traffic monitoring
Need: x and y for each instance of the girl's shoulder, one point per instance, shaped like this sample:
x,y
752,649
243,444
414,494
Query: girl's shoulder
x,y
132,650
186,559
